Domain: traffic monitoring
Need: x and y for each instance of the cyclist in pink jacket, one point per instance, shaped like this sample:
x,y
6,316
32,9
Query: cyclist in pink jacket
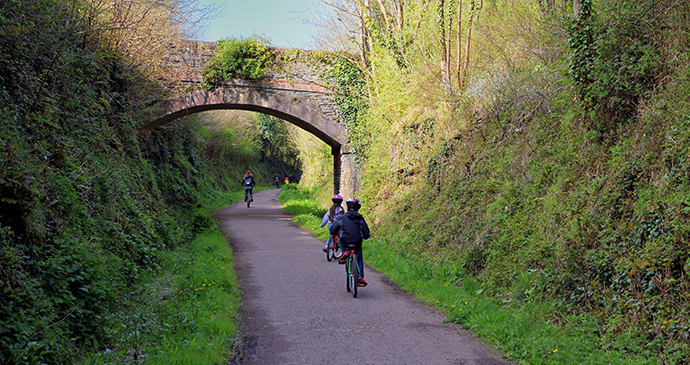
x,y
332,215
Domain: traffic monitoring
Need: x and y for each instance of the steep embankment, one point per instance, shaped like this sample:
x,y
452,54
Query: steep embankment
x,y
555,172
85,206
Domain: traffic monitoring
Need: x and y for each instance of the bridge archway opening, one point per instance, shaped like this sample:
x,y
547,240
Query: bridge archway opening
x,y
334,144
300,123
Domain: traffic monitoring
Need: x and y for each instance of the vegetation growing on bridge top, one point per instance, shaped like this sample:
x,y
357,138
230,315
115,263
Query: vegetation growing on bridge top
x,y
247,58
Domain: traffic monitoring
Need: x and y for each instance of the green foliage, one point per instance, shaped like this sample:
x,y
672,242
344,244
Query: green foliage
x,y
278,151
237,58
295,202
186,314
87,209
351,99
615,60
544,184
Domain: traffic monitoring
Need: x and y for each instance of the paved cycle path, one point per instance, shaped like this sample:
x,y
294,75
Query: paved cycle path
x,y
296,310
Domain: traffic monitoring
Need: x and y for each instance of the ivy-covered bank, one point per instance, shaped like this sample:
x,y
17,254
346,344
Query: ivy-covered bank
x,y
88,209
534,154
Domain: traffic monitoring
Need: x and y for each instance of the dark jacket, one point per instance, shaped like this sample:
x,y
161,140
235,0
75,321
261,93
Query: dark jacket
x,y
352,229
251,185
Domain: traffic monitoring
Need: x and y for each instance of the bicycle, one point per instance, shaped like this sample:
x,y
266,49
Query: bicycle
x,y
248,198
333,251
352,270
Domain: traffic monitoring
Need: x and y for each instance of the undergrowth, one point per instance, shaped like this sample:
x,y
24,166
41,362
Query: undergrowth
x,y
554,177
89,210
186,313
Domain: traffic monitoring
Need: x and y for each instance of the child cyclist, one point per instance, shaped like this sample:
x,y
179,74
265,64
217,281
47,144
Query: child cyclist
x,y
332,215
352,229
248,183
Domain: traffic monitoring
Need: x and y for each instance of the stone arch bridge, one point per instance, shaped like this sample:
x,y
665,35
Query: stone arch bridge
x,y
295,94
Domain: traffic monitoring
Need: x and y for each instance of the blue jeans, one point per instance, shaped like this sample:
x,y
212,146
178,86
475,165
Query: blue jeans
x,y
330,237
250,190
360,261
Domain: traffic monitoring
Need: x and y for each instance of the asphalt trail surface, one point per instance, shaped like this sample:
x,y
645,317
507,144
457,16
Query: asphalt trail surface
x,y
296,309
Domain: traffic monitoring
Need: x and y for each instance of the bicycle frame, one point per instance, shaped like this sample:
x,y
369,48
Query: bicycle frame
x,y
335,242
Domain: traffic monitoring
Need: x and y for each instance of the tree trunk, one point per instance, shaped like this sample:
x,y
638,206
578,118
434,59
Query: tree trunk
x,y
458,55
441,6
576,9
449,11
399,4
364,20
386,17
475,7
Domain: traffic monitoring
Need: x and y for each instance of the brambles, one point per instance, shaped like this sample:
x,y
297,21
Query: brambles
x,y
616,59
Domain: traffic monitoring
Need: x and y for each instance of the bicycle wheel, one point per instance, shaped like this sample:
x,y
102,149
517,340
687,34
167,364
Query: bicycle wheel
x,y
329,251
348,275
336,249
354,277
248,202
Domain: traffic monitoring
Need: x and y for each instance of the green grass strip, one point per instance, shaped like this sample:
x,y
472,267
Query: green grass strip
x,y
521,331
207,296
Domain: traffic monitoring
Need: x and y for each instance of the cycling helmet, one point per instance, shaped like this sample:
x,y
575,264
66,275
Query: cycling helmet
x,y
353,204
337,198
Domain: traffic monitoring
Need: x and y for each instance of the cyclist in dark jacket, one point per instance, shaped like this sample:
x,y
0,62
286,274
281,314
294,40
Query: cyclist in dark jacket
x,y
352,229
248,184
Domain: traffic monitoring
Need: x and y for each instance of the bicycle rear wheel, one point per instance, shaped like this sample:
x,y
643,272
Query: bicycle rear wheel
x,y
329,250
354,276
348,275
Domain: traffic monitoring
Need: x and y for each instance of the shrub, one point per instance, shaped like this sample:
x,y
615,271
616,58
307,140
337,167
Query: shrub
x,y
245,58
615,59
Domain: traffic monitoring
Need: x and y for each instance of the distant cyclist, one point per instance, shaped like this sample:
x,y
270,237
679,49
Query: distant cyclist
x,y
332,215
276,179
248,184
352,229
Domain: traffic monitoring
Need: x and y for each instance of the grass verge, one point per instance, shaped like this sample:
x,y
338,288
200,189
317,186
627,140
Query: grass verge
x,y
185,312
526,332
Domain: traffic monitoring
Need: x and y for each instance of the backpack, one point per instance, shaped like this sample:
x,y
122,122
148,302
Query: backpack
x,y
248,181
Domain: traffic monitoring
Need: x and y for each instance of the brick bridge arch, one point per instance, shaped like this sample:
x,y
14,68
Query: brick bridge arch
x,y
298,98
